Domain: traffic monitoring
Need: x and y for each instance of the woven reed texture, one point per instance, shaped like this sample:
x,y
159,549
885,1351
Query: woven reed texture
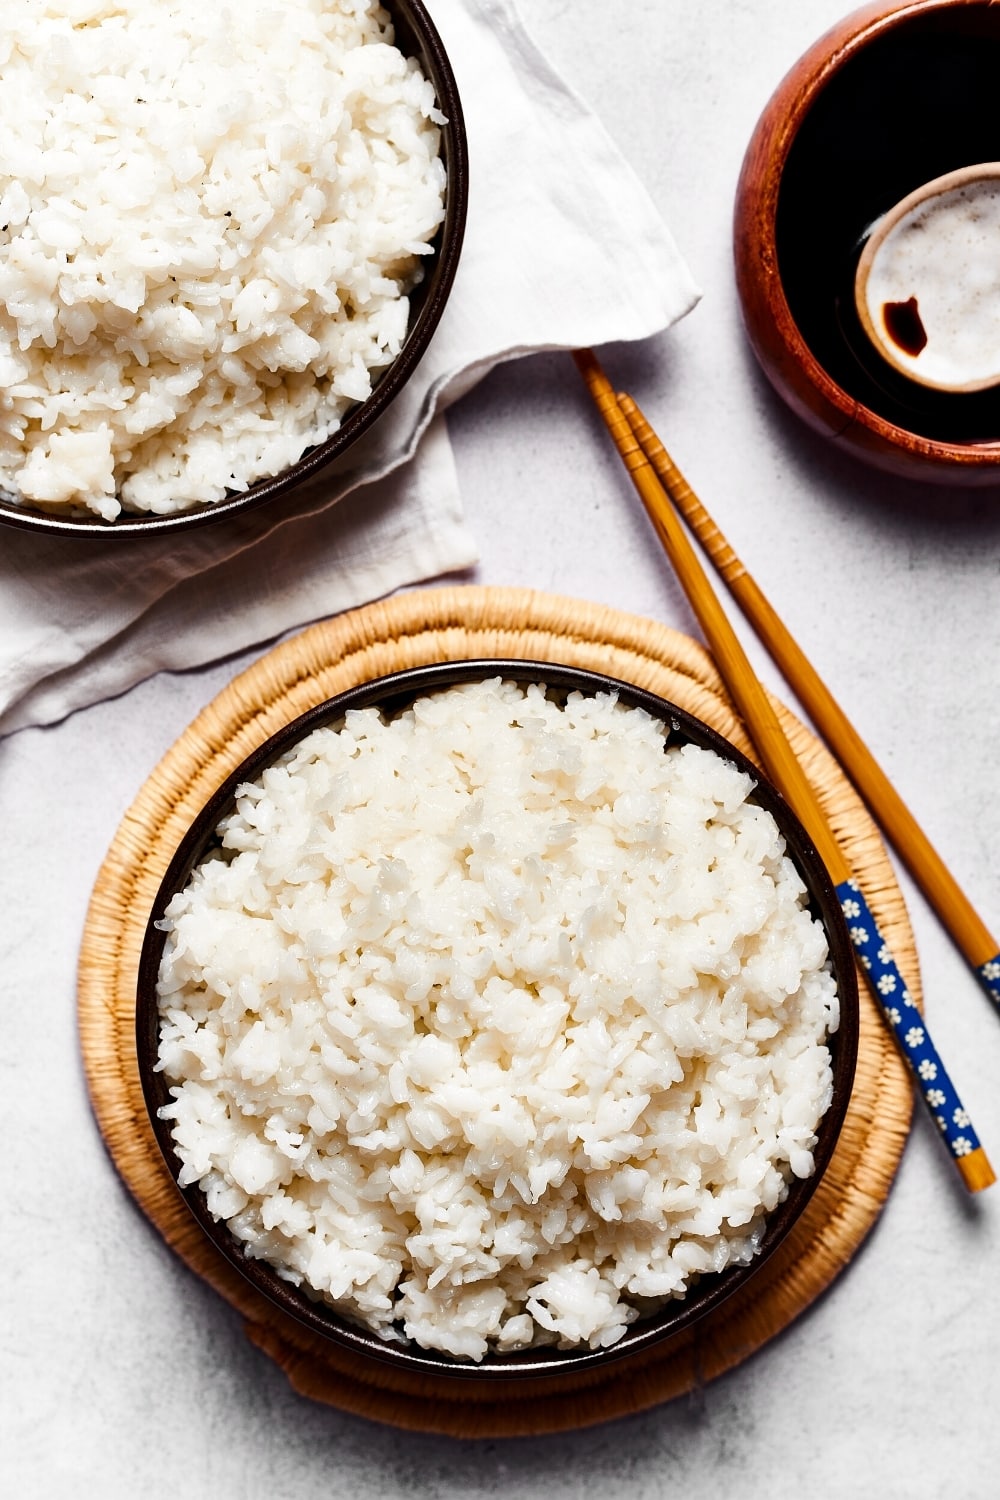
x,y
416,629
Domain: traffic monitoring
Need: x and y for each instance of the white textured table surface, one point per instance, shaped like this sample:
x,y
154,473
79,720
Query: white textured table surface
x,y
120,1370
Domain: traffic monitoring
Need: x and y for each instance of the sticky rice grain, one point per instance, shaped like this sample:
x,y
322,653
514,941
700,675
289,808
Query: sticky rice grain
x,y
210,219
497,1023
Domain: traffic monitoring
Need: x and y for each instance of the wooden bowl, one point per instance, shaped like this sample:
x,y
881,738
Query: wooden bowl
x,y
417,37
393,694
890,97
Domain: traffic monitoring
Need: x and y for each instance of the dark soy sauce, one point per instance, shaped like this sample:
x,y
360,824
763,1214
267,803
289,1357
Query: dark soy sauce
x,y
904,327
920,101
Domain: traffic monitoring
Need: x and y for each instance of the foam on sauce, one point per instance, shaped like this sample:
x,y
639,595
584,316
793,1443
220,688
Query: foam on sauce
x,y
933,289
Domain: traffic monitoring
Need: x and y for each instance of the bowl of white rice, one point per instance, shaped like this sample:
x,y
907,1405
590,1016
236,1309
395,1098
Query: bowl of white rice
x,y
495,1016
227,236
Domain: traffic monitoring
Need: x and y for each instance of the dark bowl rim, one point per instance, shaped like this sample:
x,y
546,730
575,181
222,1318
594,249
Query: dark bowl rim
x,y
433,292
773,137
393,692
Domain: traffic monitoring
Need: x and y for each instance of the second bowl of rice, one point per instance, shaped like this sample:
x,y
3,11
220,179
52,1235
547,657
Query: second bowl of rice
x,y
225,246
496,1015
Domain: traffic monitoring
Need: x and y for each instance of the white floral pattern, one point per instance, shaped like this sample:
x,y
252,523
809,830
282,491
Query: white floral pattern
x,y
885,979
989,973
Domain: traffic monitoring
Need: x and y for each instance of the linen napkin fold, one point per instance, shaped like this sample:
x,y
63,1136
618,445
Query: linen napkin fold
x,y
563,247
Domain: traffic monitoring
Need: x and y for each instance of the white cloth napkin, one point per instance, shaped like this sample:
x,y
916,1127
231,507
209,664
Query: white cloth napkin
x,y
563,248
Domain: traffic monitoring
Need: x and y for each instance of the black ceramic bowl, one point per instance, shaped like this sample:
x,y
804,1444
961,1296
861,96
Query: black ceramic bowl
x,y
894,95
417,37
393,694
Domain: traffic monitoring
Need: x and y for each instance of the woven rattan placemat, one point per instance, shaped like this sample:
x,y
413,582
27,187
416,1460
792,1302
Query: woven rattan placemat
x,y
412,630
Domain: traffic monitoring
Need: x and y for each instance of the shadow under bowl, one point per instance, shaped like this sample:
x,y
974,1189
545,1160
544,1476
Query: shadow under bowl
x,y
415,36
888,99
392,695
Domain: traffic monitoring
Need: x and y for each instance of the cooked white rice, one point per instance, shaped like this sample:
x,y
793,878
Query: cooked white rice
x,y
210,217
497,1023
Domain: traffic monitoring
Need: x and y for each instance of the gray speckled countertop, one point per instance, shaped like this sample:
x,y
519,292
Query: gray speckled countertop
x,y
122,1375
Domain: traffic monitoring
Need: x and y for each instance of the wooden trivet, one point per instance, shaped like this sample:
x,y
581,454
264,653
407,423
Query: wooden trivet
x,y
413,630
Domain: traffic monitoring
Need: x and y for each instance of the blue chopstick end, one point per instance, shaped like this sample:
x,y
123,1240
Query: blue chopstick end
x,y
989,974
908,1026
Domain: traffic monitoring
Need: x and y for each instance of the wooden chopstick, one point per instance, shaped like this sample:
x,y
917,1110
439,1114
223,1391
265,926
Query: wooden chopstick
x,y
880,969
928,869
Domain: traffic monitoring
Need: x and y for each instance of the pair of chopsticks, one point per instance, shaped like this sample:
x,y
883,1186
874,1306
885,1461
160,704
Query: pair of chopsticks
x,y
648,463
